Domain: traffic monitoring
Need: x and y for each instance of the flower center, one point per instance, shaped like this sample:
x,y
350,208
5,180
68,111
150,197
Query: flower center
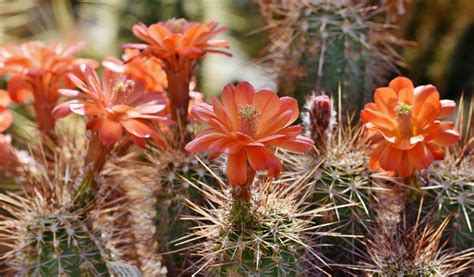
x,y
248,119
122,91
176,26
404,119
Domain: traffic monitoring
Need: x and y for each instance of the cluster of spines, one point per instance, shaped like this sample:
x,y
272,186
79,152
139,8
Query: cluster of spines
x,y
328,43
276,239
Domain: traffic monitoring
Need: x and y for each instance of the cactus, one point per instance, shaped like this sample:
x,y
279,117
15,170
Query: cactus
x,y
342,179
314,45
449,189
139,184
414,251
270,236
167,168
46,234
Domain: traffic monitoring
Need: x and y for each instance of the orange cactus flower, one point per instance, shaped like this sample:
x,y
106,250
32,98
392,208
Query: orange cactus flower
x,y
149,71
37,72
114,105
178,43
244,125
6,117
407,132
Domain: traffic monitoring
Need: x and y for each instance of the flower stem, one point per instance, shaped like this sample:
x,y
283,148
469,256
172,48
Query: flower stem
x,y
178,93
96,157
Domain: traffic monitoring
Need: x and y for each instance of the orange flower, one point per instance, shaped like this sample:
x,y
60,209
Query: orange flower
x,y
38,71
6,117
149,71
178,44
176,41
407,134
244,125
114,105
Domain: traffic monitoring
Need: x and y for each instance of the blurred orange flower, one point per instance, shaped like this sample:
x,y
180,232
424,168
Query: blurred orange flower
x,y
114,105
406,132
244,125
178,43
149,71
6,117
37,72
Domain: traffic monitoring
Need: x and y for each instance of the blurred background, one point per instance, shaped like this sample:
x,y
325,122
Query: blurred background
x,y
437,35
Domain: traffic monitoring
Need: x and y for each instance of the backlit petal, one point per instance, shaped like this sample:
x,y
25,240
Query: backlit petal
x,y
268,104
427,106
447,108
406,168
237,168
299,144
261,158
406,96
447,136
386,100
390,158
244,94
202,142
400,83
420,156
289,104
110,131
229,104
138,128
436,151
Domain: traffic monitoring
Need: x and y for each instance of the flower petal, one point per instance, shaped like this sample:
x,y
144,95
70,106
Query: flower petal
x,y
447,136
386,100
420,156
406,96
400,83
299,144
4,99
436,151
61,110
390,158
261,158
6,119
229,104
289,104
237,168
203,141
138,128
427,106
83,108
268,103
244,94
19,90
110,131
447,108
406,168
